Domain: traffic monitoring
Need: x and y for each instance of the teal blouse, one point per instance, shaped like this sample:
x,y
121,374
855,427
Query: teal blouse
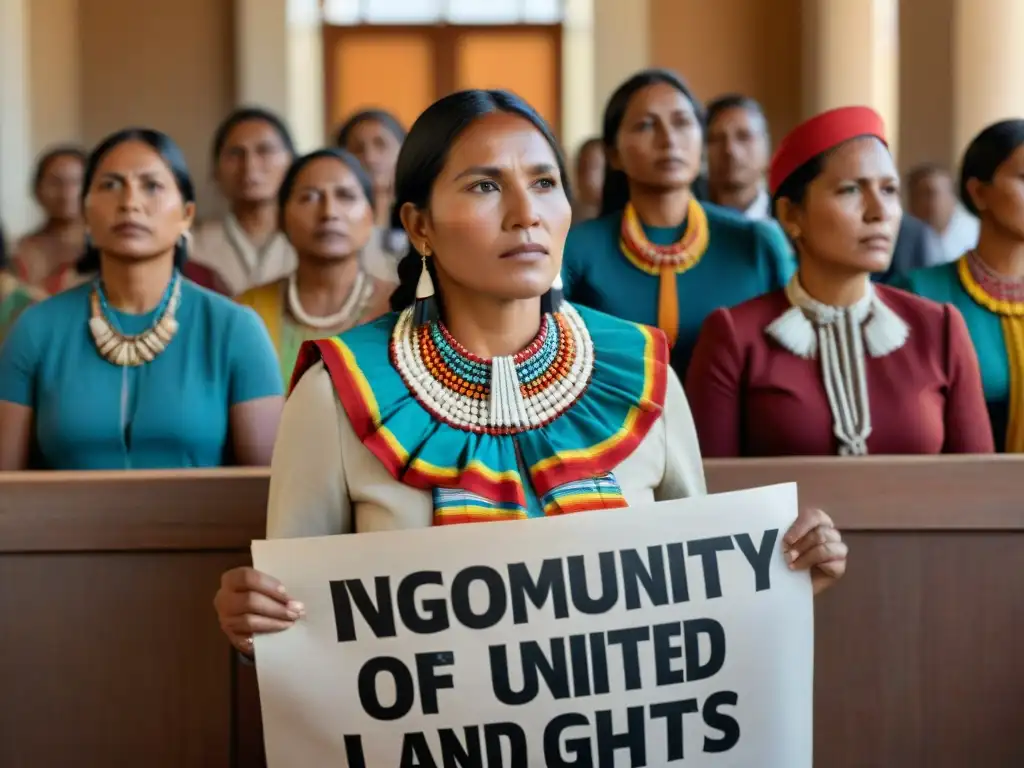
x,y
744,259
168,414
943,284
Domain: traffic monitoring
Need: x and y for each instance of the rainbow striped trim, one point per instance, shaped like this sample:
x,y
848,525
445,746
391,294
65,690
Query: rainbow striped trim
x,y
477,477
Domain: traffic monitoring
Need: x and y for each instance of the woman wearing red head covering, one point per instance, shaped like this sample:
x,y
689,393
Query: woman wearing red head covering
x,y
833,364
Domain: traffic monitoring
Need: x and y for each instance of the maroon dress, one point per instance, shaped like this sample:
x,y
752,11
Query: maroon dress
x,y
752,397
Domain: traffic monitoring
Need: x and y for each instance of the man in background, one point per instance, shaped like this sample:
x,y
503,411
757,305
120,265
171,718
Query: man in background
x,y
932,198
739,149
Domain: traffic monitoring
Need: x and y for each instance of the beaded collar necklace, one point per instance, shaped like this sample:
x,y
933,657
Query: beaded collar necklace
x,y
997,293
503,395
677,257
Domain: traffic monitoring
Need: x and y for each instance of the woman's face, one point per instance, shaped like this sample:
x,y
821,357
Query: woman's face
x,y
134,209
851,213
377,149
60,188
252,162
327,215
660,141
498,214
1001,201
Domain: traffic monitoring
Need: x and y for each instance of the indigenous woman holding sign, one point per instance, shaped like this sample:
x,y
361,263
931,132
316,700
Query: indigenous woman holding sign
x,y
987,284
485,396
326,212
656,255
834,364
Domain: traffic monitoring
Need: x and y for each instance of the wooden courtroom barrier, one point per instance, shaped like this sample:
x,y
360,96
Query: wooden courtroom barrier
x,y
110,652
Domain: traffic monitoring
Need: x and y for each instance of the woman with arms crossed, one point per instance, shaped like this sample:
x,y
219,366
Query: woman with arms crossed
x,y
422,417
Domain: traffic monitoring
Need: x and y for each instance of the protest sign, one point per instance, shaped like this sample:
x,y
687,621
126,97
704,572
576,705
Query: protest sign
x,y
656,635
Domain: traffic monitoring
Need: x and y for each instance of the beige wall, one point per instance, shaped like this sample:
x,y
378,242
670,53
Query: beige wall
x,y
926,76
167,65
54,73
721,46
92,66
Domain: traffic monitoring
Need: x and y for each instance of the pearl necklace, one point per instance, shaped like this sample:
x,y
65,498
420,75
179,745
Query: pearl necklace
x,y
351,310
132,351
504,395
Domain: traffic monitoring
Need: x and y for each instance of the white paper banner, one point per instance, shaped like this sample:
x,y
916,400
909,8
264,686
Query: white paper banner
x,y
633,637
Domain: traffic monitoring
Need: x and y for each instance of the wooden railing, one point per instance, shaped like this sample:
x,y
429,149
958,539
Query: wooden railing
x,y
110,652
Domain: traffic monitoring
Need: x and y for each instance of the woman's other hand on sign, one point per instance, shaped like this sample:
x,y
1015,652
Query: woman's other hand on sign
x,y
251,603
813,542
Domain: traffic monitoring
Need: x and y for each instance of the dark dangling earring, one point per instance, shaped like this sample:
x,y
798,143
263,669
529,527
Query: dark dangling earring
x,y
425,309
551,301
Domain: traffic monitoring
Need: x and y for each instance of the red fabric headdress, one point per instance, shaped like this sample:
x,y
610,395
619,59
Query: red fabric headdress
x,y
820,134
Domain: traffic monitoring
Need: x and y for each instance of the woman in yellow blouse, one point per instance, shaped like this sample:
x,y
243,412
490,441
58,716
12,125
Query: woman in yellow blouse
x,y
327,215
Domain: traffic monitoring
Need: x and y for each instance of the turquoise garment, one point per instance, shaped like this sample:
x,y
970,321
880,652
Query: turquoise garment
x,y
168,414
943,284
562,466
744,259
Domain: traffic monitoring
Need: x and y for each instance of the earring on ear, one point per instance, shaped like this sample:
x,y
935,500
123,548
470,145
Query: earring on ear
x,y
425,309
552,300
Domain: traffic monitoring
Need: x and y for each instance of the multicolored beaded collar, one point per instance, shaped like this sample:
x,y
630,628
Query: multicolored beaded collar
x,y
501,396
1003,297
538,433
654,259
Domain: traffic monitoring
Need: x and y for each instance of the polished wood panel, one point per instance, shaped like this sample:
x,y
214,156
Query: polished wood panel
x,y
110,652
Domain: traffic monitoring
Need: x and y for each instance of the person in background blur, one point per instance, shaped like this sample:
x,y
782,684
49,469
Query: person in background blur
x,y
738,148
933,200
252,150
987,283
326,204
374,137
590,165
137,368
45,258
15,297
657,256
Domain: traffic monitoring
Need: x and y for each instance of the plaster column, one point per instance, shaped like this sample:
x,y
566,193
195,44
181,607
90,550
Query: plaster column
x,y
988,69
279,63
622,45
17,211
851,57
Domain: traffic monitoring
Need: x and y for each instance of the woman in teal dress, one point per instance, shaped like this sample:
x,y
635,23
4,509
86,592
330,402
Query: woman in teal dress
x,y
484,397
656,255
987,284
139,368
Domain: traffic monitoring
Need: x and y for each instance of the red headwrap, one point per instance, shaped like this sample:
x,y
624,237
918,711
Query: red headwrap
x,y
820,134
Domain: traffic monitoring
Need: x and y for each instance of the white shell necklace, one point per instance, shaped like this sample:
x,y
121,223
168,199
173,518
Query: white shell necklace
x,y
503,395
351,310
838,336
131,351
